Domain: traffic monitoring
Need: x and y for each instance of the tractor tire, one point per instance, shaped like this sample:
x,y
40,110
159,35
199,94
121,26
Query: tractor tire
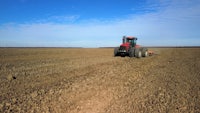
x,y
116,51
138,53
145,52
131,52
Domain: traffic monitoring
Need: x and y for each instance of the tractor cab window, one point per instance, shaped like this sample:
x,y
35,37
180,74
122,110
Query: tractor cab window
x,y
132,41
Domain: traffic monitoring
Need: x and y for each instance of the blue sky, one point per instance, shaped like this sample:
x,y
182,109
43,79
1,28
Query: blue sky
x,y
98,23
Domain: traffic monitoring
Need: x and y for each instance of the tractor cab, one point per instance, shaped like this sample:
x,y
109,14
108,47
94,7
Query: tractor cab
x,y
131,41
130,48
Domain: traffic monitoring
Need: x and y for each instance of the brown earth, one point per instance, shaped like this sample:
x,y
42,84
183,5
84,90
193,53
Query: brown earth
x,y
93,81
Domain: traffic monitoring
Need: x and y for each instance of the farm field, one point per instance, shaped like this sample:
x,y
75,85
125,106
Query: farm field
x,y
91,80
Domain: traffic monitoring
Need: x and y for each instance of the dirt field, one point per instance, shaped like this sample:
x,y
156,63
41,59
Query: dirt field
x,y
57,80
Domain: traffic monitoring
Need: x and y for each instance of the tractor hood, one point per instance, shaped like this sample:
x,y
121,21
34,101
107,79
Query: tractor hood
x,y
125,44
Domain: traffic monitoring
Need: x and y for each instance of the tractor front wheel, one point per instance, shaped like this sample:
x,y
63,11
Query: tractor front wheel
x,y
116,51
131,52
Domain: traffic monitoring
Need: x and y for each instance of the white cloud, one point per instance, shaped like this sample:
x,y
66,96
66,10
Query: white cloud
x,y
173,23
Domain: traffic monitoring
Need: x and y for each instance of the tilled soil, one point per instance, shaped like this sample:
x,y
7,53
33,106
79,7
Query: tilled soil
x,y
60,80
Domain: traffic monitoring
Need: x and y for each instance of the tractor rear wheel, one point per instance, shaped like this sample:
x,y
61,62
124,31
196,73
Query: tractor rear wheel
x,y
145,52
138,53
116,51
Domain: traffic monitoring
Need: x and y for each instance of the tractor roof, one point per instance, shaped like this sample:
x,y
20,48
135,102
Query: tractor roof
x,y
131,37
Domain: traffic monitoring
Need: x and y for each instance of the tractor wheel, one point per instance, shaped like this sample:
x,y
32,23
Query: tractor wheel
x,y
116,51
145,52
138,53
131,52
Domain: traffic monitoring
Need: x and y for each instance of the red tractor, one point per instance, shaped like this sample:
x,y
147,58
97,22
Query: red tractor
x,y
130,48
